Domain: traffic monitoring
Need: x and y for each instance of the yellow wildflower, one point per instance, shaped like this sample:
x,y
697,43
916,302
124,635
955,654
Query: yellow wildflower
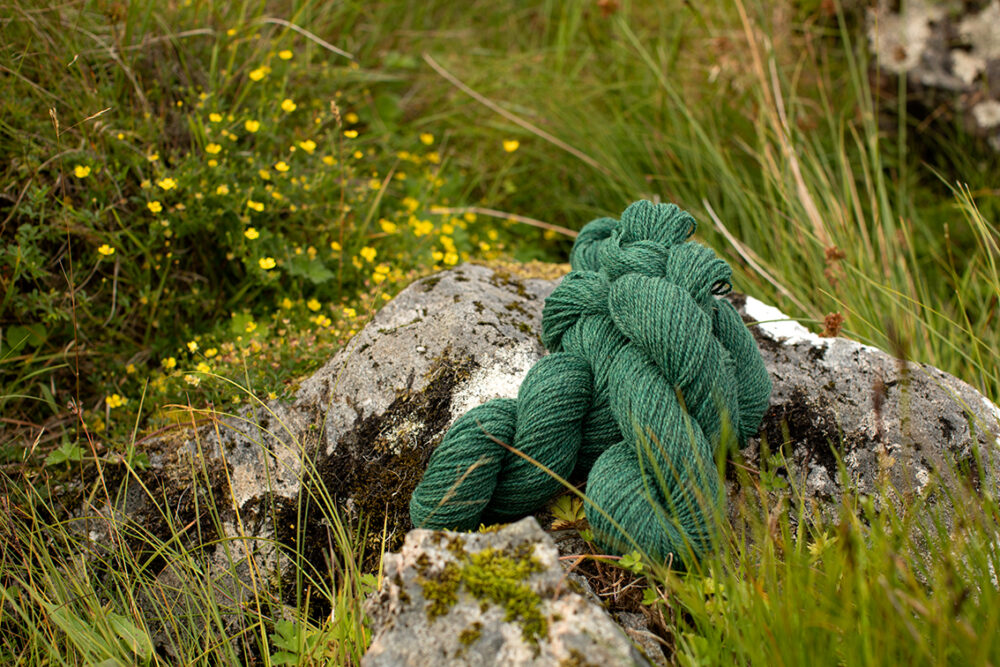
x,y
130,369
427,138
252,126
154,206
215,117
286,303
350,312
266,263
469,216
434,157
329,161
423,227
450,258
81,171
374,184
251,233
411,204
258,74
255,205
511,145
350,134
153,157
213,149
335,246
387,226
202,367
308,146
351,117
106,250
169,363
211,352
213,163
288,105
357,155
368,253
167,183
192,380
264,174
115,401
281,166
192,346
313,305
222,189
285,54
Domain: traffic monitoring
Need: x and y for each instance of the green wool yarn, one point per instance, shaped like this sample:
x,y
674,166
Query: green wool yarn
x,y
649,375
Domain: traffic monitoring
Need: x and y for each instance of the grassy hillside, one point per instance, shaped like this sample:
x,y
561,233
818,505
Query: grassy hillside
x,y
201,201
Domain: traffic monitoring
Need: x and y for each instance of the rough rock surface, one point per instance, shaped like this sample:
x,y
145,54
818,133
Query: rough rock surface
x,y
889,422
433,608
950,54
480,324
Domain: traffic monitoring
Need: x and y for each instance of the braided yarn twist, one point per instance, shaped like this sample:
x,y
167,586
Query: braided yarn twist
x,y
649,375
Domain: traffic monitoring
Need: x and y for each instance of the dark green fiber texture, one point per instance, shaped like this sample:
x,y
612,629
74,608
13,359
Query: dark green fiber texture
x,y
649,374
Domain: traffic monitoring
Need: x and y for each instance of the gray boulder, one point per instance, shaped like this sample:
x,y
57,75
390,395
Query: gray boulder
x,y
897,428
491,598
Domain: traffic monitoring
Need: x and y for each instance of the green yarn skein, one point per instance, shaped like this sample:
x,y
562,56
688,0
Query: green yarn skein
x,y
649,375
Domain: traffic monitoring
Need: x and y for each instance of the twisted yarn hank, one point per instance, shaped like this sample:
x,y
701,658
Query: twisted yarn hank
x,y
649,375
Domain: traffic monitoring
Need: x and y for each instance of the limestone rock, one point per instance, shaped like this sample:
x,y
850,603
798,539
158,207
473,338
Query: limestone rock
x,y
887,420
443,345
493,598
481,326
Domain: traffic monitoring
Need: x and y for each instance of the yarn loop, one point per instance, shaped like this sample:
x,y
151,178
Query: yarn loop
x,y
650,375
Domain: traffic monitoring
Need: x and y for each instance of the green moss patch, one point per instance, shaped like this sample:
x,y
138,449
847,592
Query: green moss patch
x,y
491,576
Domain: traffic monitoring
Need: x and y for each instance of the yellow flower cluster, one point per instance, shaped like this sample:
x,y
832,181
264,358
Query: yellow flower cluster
x,y
115,401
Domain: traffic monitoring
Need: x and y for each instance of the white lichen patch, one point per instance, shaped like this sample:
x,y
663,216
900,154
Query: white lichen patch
x,y
923,478
987,113
403,434
779,326
981,31
899,40
966,66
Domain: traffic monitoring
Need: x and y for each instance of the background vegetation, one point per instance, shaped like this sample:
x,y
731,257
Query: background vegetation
x,y
200,191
